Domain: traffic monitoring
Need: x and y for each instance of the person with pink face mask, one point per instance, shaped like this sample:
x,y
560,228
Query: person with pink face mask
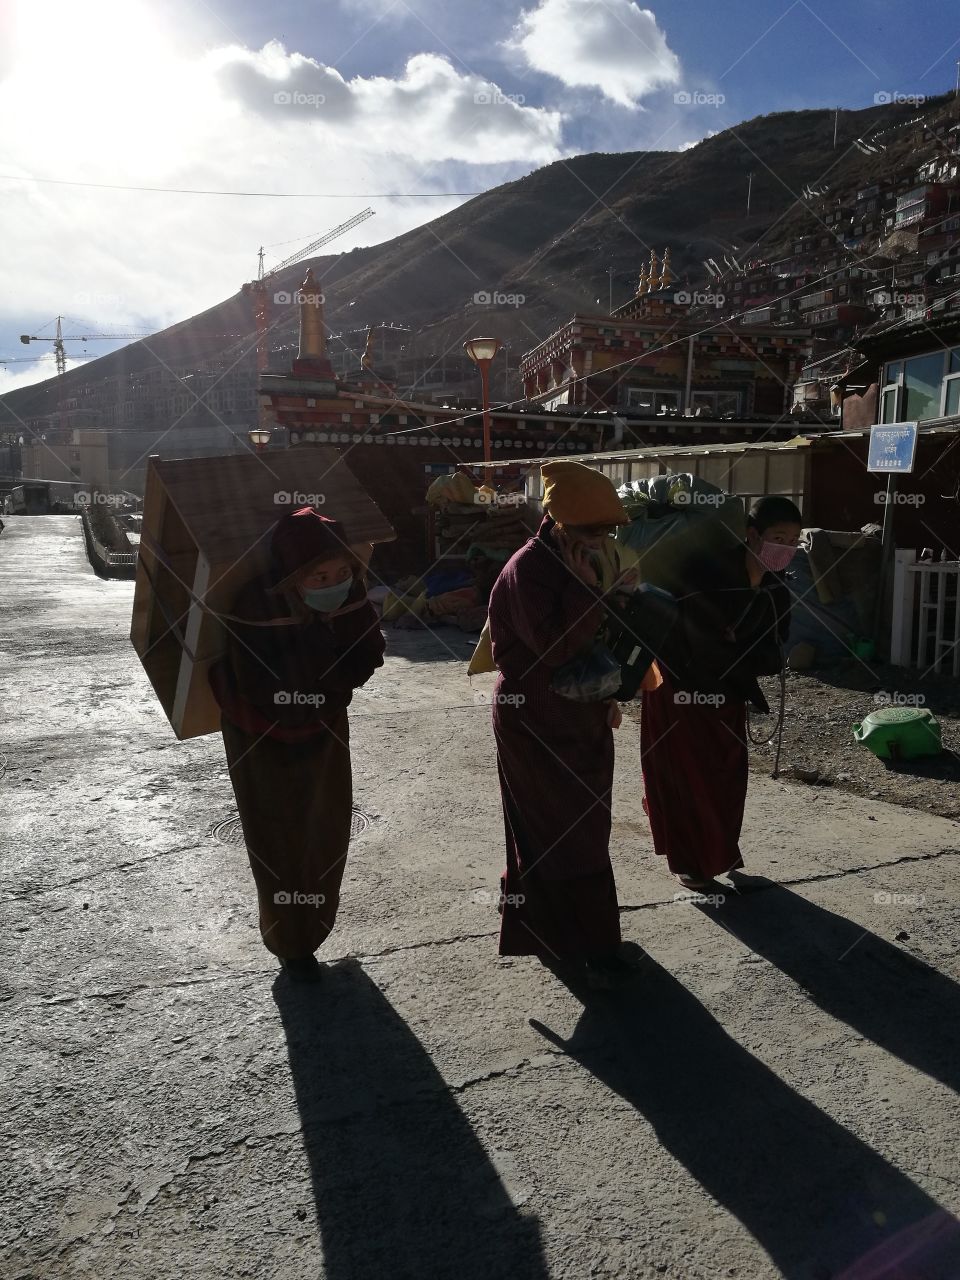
x,y
773,532
693,748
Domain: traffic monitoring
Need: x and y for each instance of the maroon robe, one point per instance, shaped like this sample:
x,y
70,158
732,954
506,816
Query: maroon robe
x,y
555,761
695,769
694,754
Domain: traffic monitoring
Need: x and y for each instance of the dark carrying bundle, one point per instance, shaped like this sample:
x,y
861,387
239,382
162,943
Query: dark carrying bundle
x,y
640,626
729,638
712,642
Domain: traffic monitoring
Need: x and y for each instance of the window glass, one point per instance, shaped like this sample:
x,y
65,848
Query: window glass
x,y
922,378
954,361
728,402
892,373
652,401
953,396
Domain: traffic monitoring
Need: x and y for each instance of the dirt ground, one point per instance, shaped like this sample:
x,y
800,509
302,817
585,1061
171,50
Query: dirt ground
x,y
818,747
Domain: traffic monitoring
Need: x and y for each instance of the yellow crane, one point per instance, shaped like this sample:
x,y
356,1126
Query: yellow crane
x,y
60,355
259,288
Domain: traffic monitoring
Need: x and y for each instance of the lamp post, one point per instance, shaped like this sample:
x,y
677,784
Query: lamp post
x,y
481,351
259,438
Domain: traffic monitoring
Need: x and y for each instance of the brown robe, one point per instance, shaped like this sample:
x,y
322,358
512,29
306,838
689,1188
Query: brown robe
x,y
283,693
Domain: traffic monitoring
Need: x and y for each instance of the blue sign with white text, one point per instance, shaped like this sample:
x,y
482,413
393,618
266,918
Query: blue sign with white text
x,y
892,447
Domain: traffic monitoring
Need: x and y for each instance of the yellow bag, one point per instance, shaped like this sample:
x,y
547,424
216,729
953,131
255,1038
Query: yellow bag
x,y
482,660
395,606
455,488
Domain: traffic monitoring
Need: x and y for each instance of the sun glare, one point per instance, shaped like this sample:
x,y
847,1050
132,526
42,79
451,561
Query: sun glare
x,y
100,81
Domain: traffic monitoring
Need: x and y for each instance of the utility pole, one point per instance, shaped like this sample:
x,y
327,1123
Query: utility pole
x,y
749,190
610,271
836,121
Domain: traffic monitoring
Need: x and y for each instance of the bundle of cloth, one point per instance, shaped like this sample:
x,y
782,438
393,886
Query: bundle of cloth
x,y
709,628
478,515
447,597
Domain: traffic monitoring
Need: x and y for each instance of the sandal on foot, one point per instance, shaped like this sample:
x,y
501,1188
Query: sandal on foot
x,y
689,882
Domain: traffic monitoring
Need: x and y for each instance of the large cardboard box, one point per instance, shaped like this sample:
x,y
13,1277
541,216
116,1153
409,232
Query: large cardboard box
x,y
207,524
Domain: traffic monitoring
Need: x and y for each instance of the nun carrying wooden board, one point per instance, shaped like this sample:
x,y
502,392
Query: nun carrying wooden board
x,y
302,637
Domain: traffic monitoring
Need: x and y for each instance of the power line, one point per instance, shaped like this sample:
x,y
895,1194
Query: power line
x,y
271,195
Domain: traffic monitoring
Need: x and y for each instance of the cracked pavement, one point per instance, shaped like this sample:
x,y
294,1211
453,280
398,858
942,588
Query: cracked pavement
x,y
776,1096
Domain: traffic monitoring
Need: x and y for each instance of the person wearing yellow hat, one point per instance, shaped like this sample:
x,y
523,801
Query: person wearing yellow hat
x,y
554,756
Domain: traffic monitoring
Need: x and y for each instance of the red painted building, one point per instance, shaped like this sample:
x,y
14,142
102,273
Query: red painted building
x,y
669,351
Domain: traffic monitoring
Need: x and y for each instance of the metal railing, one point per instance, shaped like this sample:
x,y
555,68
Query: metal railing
x,y
926,614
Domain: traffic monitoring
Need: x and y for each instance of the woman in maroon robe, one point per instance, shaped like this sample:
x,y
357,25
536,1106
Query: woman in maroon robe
x,y
555,756
693,749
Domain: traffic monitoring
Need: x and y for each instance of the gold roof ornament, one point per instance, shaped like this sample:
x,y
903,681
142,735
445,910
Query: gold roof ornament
x,y
654,273
313,340
643,282
666,275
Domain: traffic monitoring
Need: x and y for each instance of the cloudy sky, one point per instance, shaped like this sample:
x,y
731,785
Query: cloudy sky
x,y
320,109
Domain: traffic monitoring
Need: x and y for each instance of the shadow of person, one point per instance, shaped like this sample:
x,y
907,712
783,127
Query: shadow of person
x,y
402,1186
881,991
817,1199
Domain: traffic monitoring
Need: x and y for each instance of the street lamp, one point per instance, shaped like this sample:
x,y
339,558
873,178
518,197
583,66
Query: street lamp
x,y
259,438
481,351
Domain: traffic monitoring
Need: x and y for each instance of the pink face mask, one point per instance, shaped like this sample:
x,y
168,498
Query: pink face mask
x,y
775,556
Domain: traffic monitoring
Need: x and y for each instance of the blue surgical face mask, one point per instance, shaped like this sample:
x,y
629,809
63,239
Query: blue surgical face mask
x,y
326,599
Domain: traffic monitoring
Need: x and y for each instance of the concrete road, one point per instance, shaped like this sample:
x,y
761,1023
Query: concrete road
x,y
777,1098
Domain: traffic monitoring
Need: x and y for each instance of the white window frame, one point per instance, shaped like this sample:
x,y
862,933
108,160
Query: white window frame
x,y
897,389
898,386
948,378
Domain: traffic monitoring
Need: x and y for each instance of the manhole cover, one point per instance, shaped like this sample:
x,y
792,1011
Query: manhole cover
x,y
231,832
358,823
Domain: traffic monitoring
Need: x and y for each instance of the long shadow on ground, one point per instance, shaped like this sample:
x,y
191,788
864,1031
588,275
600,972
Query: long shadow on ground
x,y
883,992
403,1187
822,1203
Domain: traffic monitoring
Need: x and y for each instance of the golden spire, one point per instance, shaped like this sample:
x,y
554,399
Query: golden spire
x,y
654,275
313,342
666,275
642,284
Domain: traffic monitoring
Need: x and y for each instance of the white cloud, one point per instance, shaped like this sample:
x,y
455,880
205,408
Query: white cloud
x,y
184,118
35,371
610,45
695,142
431,110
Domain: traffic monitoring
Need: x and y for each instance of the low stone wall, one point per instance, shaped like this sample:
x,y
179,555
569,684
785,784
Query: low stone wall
x,y
106,562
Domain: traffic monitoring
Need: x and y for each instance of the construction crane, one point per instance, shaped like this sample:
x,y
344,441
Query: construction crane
x,y
60,354
259,287
60,338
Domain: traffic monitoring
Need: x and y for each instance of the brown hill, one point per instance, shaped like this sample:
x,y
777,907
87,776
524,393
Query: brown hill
x,y
551,237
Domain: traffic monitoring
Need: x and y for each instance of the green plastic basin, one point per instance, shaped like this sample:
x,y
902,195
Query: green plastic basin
x,y
900,733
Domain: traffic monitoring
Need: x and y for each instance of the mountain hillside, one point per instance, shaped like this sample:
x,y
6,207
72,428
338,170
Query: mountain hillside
x,y
550,239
